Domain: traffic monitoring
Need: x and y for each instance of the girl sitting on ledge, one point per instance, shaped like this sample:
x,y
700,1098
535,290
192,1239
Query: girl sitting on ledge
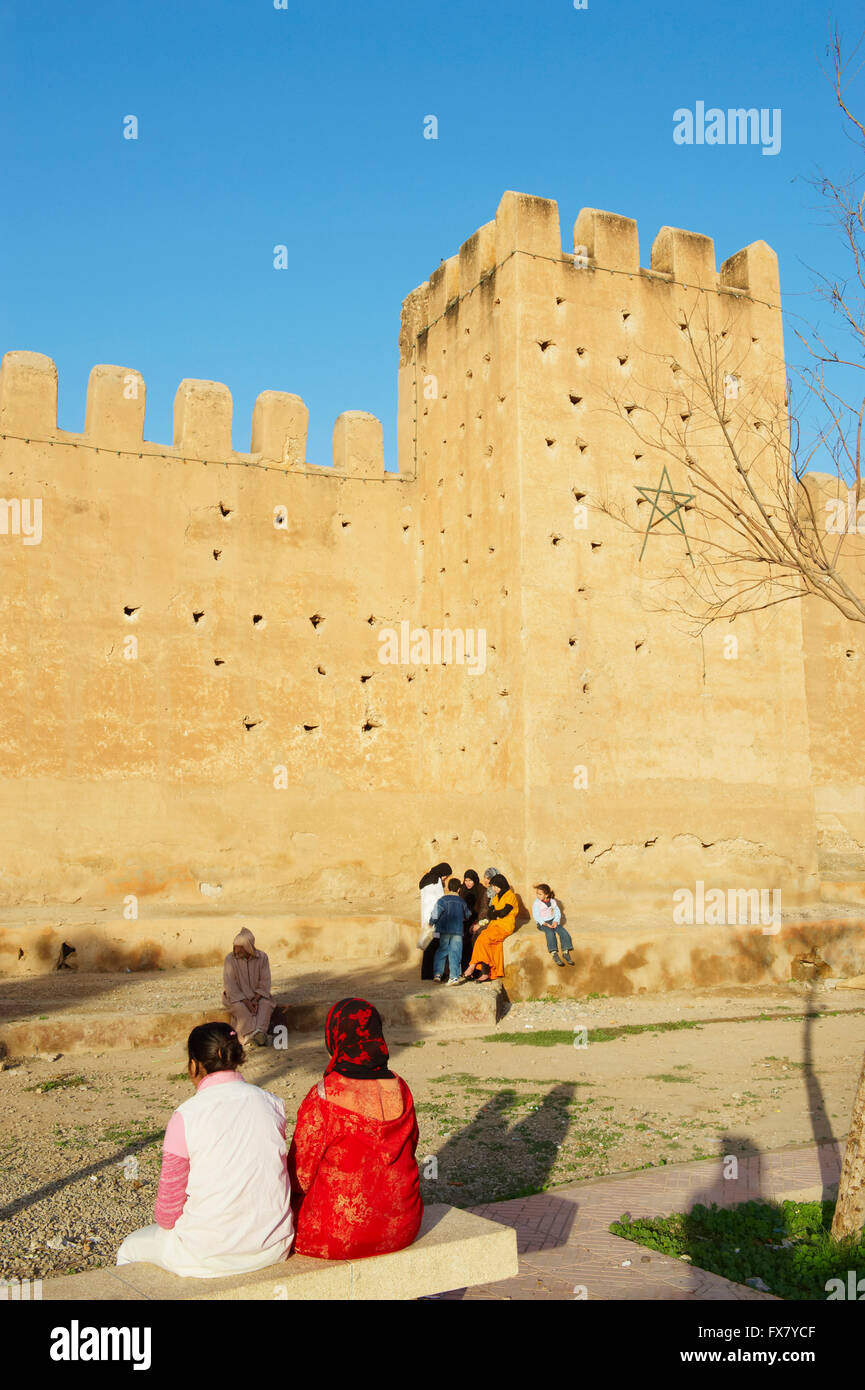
x,y
224,1203
352,1163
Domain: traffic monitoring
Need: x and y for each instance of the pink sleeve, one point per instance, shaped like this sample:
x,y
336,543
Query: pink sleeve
x,y
171,1196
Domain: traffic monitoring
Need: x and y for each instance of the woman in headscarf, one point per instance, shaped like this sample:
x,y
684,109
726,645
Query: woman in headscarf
x,y
474,896
488,957
432,887
352,1165
247,996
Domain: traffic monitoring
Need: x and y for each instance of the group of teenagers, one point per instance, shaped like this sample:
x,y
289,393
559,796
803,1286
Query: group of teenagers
x,y
464,924
235,1195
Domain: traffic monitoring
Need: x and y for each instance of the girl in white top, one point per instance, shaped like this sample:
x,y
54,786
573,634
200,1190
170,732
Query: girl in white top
x,y
224,1199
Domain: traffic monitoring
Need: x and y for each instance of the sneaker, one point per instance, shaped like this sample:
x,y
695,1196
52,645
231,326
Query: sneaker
x,y
457,981
567,956
437,979
260,1039
557,958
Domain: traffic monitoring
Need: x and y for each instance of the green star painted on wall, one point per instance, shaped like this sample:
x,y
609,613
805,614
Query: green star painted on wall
x,y
678,501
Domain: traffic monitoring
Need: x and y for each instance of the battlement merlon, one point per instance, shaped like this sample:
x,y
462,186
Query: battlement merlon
x,y
529,225
114,420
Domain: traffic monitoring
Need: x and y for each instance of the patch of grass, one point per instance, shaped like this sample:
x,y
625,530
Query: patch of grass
x,y
179,1076
666,1076
553,1037
57,1083
787,1245
133,1132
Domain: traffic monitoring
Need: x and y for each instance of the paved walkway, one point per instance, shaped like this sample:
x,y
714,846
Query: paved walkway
x,y
567,1252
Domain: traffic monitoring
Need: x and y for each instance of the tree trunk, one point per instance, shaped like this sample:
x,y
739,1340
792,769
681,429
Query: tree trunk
x,y
850,1207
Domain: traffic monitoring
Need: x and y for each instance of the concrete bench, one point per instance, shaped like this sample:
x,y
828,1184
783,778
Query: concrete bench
x,y
455,1250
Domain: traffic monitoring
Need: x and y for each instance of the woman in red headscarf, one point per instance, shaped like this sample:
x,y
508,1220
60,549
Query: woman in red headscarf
x,y
352,1165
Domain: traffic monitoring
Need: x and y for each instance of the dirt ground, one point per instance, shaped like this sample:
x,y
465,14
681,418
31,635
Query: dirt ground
x,y
710,1073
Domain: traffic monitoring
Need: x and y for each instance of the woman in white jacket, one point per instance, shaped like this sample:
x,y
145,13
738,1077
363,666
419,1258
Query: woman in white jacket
x,y
224,1199
432,887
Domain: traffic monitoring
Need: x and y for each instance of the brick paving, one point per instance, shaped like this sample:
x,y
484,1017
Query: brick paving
x,y
567,1252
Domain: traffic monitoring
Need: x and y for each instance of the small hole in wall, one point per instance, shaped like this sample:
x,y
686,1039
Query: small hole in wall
x,y
555,539
626,314
547,343
369,726
218,661
196,617
581,591
410,676
637,458
405,528
851,652
686,415
321,671
638,645
21,953
216,554
587,847
559,299
344,524
683,328
372,620
496,301
622,361
629,409
364,679
578,496
580,351
755,340
130,612
581,446
586,688
575,400
316,619
225,511
250,723
308,728
550,443
256,619
503,692
572,641
492,550
648,843
596,545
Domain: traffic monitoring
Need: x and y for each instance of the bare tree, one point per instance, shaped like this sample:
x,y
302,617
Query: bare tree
x,y
764,532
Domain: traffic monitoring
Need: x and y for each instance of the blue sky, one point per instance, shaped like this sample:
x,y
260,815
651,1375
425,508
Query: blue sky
x,y
304,126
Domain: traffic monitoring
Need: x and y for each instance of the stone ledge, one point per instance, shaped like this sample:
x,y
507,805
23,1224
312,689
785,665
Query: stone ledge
x,y
455,1250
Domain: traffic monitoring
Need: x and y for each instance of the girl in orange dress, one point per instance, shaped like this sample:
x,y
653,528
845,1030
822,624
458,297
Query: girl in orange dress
x,y
488,957
354,1176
